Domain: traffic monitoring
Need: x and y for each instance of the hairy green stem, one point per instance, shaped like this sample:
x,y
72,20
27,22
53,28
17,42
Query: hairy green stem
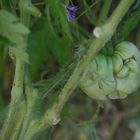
x,y
25,17
104,32
18,122
16,98
32,103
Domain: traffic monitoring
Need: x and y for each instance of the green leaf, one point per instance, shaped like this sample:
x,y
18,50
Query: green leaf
x,y
59,17
61,50
45,45
38,45
66,111
3,40
11,28
8,4
130,24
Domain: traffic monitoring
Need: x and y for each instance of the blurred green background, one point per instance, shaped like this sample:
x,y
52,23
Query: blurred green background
x,y
53,44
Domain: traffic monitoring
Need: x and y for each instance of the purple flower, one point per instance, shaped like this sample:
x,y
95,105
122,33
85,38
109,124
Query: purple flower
x,y
71,12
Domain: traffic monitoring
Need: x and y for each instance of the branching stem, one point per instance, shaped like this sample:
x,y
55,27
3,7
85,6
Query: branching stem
x,y
105,32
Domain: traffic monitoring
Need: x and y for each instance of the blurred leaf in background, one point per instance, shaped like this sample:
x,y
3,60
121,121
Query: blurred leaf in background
x,y
130,23
44,44
57,17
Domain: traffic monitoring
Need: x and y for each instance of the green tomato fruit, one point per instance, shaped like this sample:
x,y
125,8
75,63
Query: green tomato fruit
x,y
115,76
